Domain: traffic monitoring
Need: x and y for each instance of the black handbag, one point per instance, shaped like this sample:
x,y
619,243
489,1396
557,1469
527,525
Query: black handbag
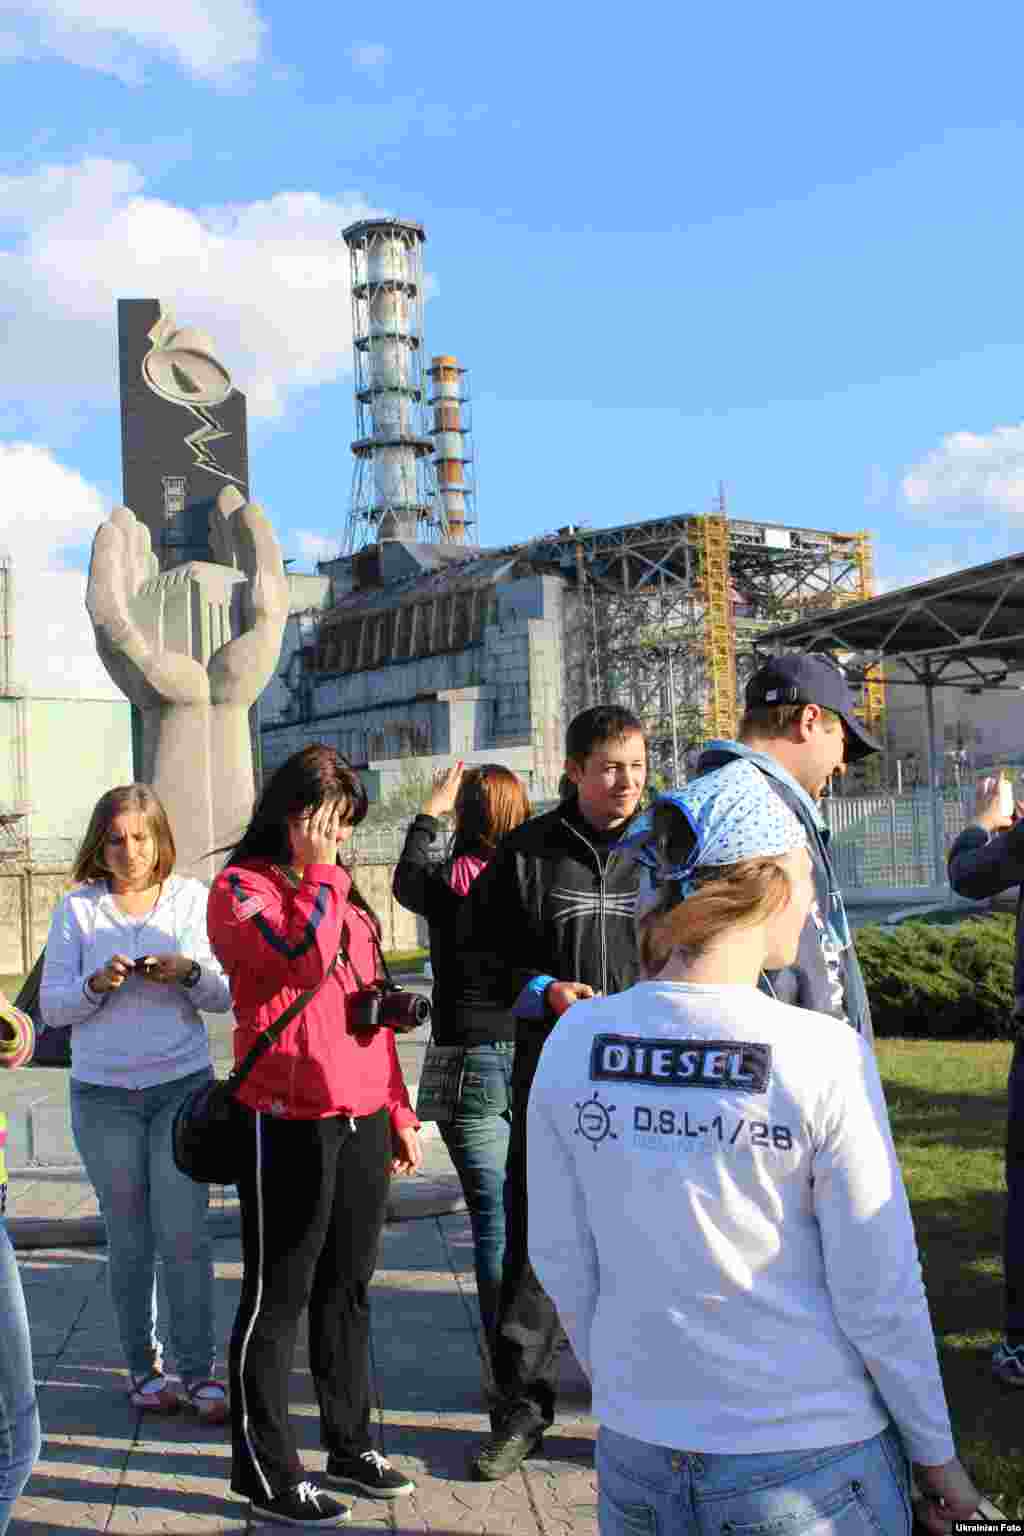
x,y
206,1141
52,1046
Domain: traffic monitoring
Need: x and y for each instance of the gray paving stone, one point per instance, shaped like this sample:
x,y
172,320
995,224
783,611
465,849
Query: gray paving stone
x,y
107,1468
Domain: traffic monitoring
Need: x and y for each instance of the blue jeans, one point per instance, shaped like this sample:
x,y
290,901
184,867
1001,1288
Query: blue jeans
x,y
861,1489
477,1142
19,1412
123,1136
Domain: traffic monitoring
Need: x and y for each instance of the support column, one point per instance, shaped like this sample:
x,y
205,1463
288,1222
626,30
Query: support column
x,y
935,783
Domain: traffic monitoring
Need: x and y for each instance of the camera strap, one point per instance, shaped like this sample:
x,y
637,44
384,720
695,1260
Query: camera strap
x,y
389,984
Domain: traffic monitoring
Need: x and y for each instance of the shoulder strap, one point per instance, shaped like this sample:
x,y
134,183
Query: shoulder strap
x,y
273,1031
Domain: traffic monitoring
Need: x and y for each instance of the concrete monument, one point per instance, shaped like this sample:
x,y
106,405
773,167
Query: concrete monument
x,y
194,644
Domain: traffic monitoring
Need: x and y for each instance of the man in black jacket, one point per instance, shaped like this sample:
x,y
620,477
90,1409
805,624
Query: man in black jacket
x,y
987,858
550,921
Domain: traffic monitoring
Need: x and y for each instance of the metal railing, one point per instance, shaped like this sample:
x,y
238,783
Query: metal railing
x,y
889,840
377,845
877,840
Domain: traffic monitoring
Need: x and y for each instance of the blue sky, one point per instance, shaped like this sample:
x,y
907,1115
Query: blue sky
x,y
770,246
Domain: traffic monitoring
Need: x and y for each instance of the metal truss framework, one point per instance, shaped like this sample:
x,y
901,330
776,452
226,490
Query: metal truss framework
x,y
962,631
661,625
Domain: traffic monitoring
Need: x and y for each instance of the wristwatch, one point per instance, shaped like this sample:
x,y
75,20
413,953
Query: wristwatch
x,y
192,975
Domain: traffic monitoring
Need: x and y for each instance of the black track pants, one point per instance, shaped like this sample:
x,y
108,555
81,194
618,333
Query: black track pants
x,y
313,1201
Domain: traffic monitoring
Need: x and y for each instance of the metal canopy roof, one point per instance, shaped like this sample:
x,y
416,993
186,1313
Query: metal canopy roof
x,y
959,631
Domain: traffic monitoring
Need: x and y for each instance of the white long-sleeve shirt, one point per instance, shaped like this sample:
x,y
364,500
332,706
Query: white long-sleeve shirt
x,y
144,1032
717,1212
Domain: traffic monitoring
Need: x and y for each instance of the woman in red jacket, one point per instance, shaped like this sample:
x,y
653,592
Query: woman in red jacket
x,y
328,1118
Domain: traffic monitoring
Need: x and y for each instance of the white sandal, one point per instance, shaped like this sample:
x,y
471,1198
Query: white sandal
x,y
208,1400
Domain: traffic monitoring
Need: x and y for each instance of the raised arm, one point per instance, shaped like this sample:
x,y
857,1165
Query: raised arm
x,y
988,856
419,884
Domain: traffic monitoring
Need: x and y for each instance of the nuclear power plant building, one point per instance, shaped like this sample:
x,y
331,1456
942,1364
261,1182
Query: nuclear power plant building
x,y
414,646
405,652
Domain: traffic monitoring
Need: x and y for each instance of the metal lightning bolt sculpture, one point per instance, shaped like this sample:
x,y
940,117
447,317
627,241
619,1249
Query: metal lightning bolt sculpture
x,y
182,367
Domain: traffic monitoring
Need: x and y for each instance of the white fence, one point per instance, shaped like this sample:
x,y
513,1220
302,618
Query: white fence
x,y
877,840
889,840
377,845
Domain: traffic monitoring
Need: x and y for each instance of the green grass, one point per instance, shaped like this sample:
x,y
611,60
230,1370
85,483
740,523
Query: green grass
x,y
411,961
947,1103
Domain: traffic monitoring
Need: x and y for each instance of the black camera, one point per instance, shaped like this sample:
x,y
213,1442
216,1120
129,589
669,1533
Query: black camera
x,y
375,1008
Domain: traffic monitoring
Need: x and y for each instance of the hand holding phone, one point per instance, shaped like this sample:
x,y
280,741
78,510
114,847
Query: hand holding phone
x,y
1005,797
994,807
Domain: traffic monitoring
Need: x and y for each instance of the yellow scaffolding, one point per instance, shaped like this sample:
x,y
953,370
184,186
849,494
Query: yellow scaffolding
x,y
874,680
719,636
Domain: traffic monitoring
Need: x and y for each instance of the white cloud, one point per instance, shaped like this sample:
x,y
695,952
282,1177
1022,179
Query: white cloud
x,y
314,546
971,478
46,511
211,40
268,280
369,57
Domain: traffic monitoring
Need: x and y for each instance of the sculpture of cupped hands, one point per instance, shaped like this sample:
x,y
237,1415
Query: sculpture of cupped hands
x,y
196,743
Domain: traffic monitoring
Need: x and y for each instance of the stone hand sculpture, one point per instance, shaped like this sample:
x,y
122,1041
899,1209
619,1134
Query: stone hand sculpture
x,y
193,649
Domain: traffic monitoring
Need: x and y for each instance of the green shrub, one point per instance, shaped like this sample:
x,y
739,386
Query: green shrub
x,y
941,983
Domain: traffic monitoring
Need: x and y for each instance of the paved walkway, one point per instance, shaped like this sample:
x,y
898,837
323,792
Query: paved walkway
x,y
105,1467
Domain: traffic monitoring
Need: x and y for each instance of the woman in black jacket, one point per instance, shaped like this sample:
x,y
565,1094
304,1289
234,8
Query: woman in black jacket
x,y
488,802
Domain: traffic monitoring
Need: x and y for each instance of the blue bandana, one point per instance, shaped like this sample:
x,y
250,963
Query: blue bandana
x,y
734,814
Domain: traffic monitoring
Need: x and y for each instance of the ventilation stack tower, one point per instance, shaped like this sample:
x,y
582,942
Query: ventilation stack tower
x,y
393,486
453,426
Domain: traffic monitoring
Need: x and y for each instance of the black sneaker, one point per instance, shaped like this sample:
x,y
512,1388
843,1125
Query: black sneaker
x,y
509,1446
369,1473
305,1504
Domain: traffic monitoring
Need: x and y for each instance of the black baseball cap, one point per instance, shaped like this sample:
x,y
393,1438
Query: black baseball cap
x,y
798,678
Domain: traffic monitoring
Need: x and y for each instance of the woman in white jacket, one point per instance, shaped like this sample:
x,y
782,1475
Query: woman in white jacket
x,y
717,1212
128,965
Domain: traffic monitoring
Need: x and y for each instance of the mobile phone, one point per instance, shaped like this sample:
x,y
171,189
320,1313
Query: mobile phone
x,y
1006,806
144,963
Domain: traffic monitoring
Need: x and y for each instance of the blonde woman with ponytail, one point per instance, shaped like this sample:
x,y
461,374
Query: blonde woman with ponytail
x,y
717,1212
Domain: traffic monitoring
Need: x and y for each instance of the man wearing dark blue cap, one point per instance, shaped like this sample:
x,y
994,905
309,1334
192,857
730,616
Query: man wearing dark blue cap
x,y
800,728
